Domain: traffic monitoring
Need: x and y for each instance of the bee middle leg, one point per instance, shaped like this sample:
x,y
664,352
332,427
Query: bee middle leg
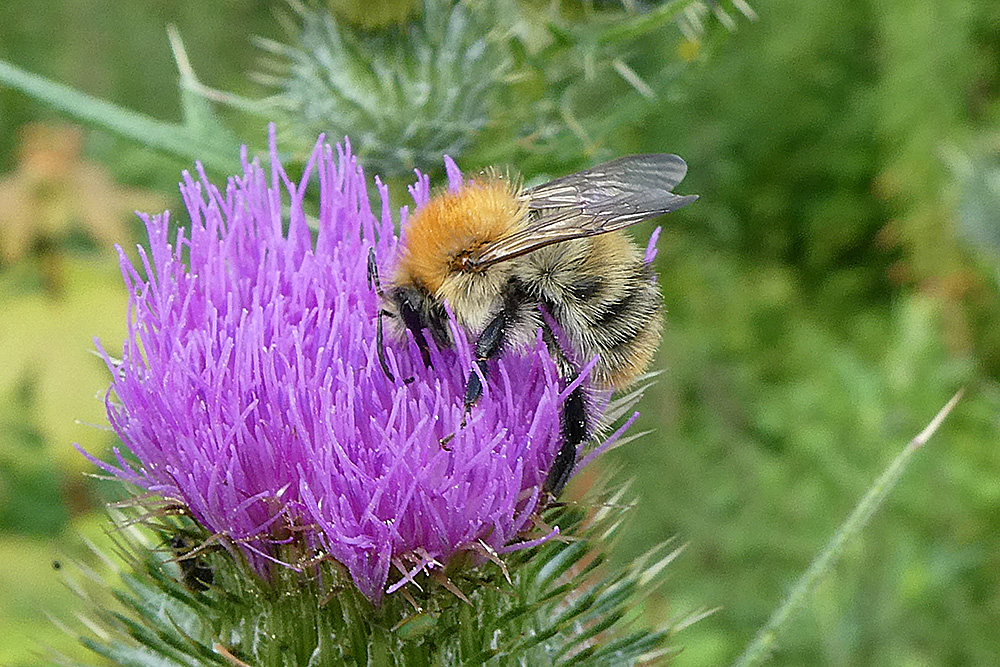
x,y
574,411
489,346
491,341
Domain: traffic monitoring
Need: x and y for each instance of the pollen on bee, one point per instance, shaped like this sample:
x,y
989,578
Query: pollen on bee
x,y
456,224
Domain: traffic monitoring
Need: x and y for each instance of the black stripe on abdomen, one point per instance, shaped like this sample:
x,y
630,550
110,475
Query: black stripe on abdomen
x,y
620,320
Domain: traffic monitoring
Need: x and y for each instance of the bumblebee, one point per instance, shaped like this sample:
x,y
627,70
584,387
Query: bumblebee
x,y
503,257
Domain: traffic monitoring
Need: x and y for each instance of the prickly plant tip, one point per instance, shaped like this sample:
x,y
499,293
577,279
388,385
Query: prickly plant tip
x,y
408,92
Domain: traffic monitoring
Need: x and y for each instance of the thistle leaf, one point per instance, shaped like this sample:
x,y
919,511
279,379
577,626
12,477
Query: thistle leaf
x,y
189,142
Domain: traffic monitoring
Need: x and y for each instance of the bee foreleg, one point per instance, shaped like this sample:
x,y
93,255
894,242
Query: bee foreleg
x,y
379,338
380,345
422,345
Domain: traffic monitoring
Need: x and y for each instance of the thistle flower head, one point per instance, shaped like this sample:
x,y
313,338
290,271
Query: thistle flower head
x,y
250,391
409,93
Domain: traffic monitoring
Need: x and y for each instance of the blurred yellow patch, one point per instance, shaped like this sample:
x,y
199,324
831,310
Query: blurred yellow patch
x,y
688,50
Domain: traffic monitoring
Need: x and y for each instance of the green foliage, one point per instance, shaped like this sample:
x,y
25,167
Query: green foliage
x,y
773,424
192,139
979,210
763,643
30,486
573,87
560,606
410,92
806,344
33,591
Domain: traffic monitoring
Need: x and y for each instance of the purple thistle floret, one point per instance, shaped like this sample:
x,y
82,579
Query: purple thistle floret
x,y
250,391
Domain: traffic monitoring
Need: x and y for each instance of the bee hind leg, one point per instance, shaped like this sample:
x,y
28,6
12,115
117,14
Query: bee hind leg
x,y
574,417
574,432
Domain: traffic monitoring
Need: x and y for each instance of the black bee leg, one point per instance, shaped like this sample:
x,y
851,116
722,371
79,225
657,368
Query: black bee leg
x,y
574,432
425,350
488,346
373,273
413,322
574,418
380,345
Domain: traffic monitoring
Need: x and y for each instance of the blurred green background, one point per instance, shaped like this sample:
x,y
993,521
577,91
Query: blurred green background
x,y
836,283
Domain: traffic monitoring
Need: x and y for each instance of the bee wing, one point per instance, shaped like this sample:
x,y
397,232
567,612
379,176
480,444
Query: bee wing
x,y
605,198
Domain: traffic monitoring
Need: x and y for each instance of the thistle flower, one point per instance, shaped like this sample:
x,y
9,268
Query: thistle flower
x,y
251,395
250,391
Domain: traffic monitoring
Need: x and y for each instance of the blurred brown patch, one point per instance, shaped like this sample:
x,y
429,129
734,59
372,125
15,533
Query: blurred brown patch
x,y
53,191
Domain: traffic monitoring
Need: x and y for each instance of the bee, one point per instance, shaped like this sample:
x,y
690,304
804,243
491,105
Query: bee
x,y
502,257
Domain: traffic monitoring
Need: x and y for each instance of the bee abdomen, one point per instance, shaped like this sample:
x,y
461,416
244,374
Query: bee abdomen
x,y
605,298
622,330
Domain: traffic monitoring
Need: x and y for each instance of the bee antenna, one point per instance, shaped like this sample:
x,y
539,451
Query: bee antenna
x,y
373,273
373,282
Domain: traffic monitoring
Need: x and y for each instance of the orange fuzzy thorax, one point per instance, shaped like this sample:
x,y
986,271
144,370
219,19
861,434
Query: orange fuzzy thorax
x,y
455,224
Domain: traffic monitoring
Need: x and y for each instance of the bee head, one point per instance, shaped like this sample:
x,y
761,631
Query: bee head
x,y
440,240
